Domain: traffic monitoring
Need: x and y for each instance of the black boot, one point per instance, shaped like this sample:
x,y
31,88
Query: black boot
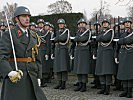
x,y
124,93
83,89
63,85
76,84
118,86
103,87
97,84
43,83
107,90
78,87
58,85
129,93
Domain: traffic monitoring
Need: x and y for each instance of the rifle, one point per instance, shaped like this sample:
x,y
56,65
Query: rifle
x,y
96,25
90,26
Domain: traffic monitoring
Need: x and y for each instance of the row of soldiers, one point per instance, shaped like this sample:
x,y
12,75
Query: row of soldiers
x,y
100,48
103,52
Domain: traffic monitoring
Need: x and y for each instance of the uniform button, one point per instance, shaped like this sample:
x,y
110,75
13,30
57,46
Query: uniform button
x,y
28,71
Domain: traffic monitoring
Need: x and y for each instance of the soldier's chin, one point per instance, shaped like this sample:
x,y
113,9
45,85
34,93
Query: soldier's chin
x,y
27,25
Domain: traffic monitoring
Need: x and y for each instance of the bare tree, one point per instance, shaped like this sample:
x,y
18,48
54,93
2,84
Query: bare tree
x,y
126,3
130,11
101,13
61,6
9,9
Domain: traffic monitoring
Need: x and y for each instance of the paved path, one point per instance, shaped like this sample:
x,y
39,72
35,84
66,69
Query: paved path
x,y
69,94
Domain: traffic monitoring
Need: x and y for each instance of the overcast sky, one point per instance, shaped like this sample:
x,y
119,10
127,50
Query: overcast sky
x,y
40,6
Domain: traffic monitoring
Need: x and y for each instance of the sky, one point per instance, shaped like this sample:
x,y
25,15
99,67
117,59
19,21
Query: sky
x,y
41,6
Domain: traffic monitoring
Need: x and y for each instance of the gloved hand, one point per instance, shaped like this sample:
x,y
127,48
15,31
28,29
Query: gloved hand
x,y
71,57
116,40
94,37
116,61
39,82
15,76
52,56
94,57
72,38
46,57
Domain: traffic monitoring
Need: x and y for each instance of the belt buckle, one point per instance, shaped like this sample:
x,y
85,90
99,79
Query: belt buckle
x,y
28,60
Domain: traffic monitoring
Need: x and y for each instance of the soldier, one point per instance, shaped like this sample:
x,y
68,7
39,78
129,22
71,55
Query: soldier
x,y
11,24
40,24
52,49
61,61
51,27
94,46
105,57
21,85
82,55
33,26
2,28
44,49
125,69
117,34
121,27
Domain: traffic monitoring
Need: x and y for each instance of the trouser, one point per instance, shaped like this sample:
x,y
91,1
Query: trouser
x,y
96,80
62,76
82,78
45,78
105,79
127,83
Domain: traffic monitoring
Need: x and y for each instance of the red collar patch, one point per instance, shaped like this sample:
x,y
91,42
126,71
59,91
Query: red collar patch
x,y
19,33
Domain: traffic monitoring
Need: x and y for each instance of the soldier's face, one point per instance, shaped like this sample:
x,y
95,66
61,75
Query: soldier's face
x,y
97,27
32,27
46,27
40,25
2,27
127,24
24,20
82,25
11,26
105,24
61,26
121,26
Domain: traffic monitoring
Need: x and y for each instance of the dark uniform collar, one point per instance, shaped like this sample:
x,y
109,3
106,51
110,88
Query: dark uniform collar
x,y
61,30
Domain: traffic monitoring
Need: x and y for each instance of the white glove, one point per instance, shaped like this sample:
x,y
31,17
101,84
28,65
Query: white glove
x,y
12,73
94,37
116,61
52,56
94,57
46,57
52,39
15,76
115,40
71,57
39,82
72,38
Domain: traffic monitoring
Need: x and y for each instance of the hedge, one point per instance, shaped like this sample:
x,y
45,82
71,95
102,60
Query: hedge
x,y
70,18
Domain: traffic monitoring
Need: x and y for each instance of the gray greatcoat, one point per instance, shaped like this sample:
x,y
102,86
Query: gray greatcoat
x,y
81,54
125,68
27,88
105,63
61,61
